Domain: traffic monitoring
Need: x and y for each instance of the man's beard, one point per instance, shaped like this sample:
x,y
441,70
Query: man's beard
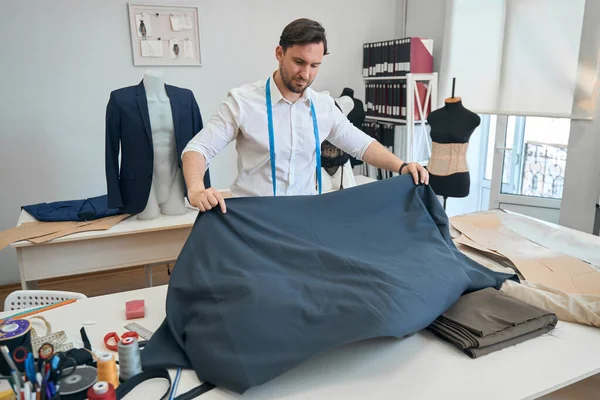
x,y
289,82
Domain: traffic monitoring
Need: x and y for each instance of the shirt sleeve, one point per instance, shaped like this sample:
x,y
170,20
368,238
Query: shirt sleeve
x,y
220,130
346,136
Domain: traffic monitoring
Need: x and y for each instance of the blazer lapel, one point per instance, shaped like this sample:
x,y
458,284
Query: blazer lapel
x,y
143,106
174,108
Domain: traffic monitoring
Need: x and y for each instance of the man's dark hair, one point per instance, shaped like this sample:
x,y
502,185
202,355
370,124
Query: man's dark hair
x,y
303,31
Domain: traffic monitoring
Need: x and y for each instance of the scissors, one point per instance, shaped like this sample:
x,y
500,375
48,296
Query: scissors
x,y
30,369
113,335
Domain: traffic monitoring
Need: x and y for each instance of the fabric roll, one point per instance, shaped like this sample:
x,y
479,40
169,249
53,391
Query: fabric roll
x,y
487,320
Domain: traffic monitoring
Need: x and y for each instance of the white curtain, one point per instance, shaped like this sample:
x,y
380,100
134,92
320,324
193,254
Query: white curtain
x,y
514,57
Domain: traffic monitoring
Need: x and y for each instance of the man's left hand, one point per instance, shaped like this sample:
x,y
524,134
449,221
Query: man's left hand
x,y
419,173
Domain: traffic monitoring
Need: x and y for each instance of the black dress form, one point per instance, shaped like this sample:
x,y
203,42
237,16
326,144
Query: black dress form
x,y
451,124
356,116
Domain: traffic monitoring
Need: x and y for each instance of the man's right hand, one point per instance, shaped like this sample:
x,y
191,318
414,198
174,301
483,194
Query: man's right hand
x,y
206,199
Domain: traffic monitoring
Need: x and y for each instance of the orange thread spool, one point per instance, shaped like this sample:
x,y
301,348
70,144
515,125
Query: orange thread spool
x,y
107,369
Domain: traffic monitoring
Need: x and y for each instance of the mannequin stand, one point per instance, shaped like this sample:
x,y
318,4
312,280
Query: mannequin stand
x,y
445,198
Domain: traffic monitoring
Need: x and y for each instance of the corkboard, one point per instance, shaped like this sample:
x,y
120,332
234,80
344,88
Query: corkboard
x,y
153,26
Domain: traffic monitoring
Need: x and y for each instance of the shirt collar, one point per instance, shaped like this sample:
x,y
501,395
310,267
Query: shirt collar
x,y
276,95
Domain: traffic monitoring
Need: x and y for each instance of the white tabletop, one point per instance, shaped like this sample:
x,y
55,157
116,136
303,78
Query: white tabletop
x,y
132,225
417,367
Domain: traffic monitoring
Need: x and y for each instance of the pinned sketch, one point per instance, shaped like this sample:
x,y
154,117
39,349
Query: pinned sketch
x,y
174,49
152,48
188,48
181,22
143,25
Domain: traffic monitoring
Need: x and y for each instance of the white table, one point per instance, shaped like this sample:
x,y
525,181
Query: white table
x,y
417,367
131,242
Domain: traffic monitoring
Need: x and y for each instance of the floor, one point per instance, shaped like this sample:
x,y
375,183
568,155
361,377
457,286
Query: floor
x,y
135,278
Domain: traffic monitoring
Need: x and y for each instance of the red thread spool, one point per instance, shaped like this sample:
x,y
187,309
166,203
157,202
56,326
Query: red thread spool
x,y
102,391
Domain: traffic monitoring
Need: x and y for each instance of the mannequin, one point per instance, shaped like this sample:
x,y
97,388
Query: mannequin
x,y
336,168
167,195
451,129
147,127
356,116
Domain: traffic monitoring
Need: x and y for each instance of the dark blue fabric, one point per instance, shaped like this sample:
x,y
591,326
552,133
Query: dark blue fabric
x,y
276,280
72,210
128,128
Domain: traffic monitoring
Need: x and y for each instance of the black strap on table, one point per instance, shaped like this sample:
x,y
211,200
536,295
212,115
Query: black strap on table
x,y
195,392
127,386
85,339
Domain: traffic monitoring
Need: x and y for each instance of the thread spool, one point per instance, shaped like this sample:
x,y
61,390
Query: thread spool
x,y
102,391
130,363
7,394
13,334
107,369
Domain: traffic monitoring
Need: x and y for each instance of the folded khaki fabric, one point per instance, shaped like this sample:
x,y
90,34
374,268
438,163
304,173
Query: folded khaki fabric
x,y
487,320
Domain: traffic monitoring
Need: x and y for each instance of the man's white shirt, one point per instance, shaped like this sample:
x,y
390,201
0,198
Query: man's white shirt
x,y
242,117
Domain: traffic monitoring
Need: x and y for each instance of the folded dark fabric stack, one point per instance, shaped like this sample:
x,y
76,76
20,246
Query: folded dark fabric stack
x,y
72,210
487,320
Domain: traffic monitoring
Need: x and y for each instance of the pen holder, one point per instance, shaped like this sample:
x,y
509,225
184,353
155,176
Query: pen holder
x,y
13,334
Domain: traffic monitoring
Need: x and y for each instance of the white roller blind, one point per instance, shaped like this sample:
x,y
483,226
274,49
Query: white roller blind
x,y
513,57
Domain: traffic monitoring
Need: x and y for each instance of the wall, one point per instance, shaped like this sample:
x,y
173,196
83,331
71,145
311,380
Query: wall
x,y
61,59
582,174
427,18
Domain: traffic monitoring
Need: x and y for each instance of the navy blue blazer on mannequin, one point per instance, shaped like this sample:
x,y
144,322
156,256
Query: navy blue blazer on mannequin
x,y
128,127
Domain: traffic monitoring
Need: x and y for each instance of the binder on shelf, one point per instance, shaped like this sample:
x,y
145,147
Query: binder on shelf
x,y
398,57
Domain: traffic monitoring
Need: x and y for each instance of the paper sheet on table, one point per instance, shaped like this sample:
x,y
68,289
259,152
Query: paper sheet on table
x,y
35,229
142,23
577,244
181,22
152,48
188,48
536,263
100,224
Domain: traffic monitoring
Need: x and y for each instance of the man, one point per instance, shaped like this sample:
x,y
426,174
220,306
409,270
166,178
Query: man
x,y
278,136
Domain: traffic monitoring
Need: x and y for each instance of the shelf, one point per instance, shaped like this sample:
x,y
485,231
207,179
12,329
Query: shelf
x,y
415,77
397,120
384,119
384,78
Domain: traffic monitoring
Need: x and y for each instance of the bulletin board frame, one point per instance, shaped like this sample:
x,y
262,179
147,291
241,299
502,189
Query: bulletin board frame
x,y
154,40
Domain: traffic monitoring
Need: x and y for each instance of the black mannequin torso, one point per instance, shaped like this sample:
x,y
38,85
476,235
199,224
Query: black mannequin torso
x,y
451,129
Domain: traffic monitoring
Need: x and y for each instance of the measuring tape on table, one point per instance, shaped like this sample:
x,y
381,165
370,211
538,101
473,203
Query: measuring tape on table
x,y
58,340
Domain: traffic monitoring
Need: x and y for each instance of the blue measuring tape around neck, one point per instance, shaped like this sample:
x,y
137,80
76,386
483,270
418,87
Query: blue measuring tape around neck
x,y
272,140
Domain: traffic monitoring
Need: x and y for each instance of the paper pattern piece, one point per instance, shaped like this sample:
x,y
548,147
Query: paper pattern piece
x,y
34,229
100,224
174,49
188,48
142,23
181,22
536,264
152,48
41,232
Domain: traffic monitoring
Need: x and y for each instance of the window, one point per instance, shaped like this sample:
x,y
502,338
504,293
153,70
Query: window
x,y
535,155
